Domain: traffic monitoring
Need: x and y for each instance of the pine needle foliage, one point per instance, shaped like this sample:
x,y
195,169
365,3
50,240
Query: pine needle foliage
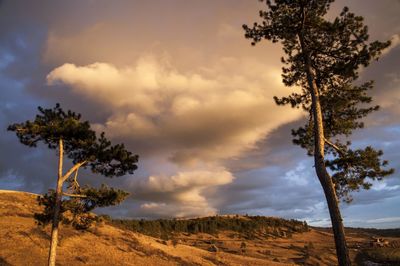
x,y
336,50
322,60
85,149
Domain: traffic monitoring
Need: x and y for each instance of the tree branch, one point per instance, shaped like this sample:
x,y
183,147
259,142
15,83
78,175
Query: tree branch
x,y
74,195
75,176
21,129
339,150
74,168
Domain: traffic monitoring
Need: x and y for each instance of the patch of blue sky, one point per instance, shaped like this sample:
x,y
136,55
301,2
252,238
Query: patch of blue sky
x,y
6,58
380,214
15,102
10,181
392,129
21,43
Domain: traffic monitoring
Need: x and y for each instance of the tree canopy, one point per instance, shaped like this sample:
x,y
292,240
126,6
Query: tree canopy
x,y
81,145
80,141
336,51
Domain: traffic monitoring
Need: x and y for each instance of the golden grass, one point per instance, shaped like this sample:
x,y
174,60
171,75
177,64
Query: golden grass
x,y
22,242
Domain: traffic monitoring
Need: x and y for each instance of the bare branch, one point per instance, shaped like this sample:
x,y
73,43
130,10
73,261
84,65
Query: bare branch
x,y
75,177
74,195
339,150
73,169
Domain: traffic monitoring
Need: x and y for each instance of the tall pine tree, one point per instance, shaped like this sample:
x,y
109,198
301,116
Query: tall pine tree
x,y
66,132
323,58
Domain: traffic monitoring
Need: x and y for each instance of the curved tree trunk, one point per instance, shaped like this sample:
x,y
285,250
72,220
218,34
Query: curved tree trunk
x,y
54,229
323,176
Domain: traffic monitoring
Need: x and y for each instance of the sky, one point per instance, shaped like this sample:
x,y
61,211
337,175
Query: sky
x,y
179,85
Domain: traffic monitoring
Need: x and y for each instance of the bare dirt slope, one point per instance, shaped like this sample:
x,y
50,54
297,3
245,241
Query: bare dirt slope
x,y
22,242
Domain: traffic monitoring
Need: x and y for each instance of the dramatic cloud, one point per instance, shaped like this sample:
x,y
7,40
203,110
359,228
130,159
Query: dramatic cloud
x,y
193,119
180,195
203,116
194,100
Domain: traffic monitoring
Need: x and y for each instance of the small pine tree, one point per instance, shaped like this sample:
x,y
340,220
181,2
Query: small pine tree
x,y
66,132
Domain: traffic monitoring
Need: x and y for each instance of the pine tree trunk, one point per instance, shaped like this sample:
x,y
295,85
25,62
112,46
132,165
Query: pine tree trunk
x,y
323,175
54,229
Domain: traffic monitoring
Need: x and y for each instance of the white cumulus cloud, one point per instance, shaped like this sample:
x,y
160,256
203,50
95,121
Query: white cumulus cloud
x,y
195,119
214,114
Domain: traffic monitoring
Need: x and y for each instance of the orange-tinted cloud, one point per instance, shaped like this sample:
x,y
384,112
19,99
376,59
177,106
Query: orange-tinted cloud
x,y
211,115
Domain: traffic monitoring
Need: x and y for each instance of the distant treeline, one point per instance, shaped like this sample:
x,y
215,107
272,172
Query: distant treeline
x,y
395,232
245,225
392,232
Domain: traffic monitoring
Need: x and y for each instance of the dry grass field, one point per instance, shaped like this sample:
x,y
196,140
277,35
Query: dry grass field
x,y
22,242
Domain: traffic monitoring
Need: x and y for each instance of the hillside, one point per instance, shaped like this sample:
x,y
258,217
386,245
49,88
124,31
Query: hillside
x,y
22,242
